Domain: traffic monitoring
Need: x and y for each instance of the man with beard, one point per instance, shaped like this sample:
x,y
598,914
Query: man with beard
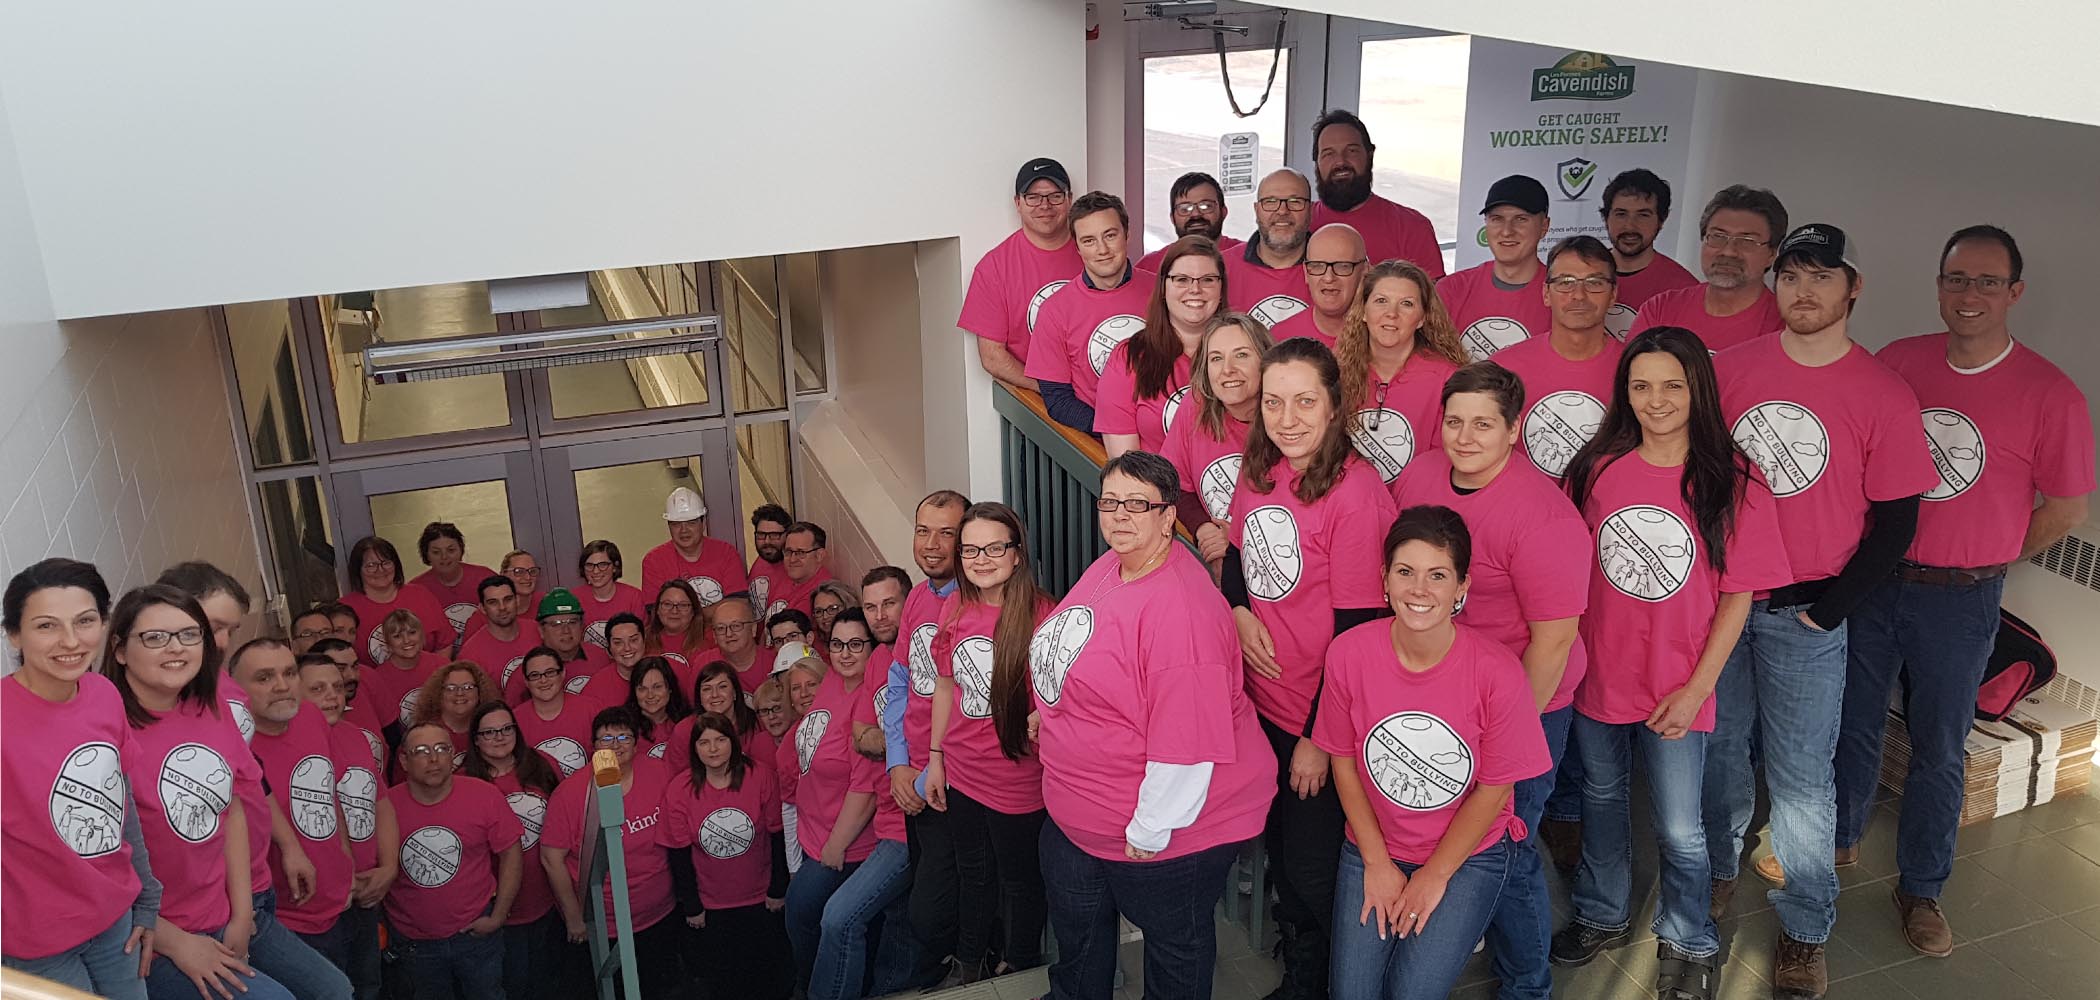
x,y
1266,279
1342,152
502,643
1197,206
1502,303
1737,232
768,576
1012,280
1837,436
1636,205
1081,324
1334,267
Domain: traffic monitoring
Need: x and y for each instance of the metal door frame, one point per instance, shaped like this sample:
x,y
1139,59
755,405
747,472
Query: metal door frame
x,y
357,486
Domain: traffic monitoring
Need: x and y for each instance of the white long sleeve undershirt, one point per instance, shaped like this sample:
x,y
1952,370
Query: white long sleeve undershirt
x,y
1170,797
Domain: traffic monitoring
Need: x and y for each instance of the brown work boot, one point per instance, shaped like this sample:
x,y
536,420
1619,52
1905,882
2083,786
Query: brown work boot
x,y
1924,926
1563,843
1798,970
1846,857
1723,890
1769,870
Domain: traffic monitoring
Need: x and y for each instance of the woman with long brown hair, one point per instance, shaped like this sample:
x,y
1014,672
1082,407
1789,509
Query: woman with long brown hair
x,y
981,769
726,812
1206,442
1395,352
532,937
1147,377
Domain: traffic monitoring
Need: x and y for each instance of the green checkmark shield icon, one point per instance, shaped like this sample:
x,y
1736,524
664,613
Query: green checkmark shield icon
x,y
1577,175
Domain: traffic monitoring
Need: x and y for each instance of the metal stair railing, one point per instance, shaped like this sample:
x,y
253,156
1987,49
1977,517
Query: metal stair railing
x,y
605,855
1051,475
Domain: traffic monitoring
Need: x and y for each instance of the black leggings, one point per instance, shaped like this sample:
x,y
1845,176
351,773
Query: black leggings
x,y
1304,842
743,952
997,857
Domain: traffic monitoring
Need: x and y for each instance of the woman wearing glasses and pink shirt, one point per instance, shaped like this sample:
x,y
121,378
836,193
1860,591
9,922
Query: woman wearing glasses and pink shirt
x,y
377,589
1147,377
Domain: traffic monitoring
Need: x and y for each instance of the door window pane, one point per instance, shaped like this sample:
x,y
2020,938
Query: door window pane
x,y
1414,103
805,300
747,294
766,465
625,504
370,412
266,369
481,512
1185,114
301,540
620,295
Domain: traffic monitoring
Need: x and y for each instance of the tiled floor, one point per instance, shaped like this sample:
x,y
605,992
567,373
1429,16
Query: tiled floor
x,y
2024,904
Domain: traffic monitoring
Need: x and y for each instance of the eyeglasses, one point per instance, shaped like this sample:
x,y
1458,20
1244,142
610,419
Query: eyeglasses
x,y
310,634
614,739
1186,281
827,612
791,635
776,535
1988,284
379,564
1717,240
1033,200
462,688
674,605
490,734
1287,204
851,645
1567,283
528,571
771,709
799,553
734,628
541,675
1341,268
1133,505
601,564
155,638
1195,207
561,621
430,750
994,549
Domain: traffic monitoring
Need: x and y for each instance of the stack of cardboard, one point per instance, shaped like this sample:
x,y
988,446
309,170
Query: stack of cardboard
x,y
2042,750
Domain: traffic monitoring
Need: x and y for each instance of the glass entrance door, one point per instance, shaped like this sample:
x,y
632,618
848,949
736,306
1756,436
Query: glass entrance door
x,y
494,500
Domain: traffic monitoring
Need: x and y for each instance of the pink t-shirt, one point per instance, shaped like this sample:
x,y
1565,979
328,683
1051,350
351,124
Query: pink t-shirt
x,y
787,767
535,897
1302,325
1423,740
1302,562
1080,326
917,625
1269,294
360,762
1009,286
1391,231
1209,466
1491,317
448,858
1686,307
827,767
1150,261
1119,411
767,579
974,762
1402,417
1829,440
371,616
1564,400
606,687
1997,437
867,710
729,831
758,745
392,691
718,572
596,613
62,788
183,776
1661,275
572,813
1127,672
461,600
564,740
248,786
299,764
1653,588
1531,554
504,661
790,595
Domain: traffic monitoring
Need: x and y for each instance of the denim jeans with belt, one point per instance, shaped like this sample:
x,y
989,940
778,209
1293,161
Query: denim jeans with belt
x,y
1423,965
285,957
1602,896
1171,901
471,964
97,965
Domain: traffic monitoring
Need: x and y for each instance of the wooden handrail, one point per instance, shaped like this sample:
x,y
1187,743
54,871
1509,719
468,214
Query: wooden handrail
x,y
23,986
1088,445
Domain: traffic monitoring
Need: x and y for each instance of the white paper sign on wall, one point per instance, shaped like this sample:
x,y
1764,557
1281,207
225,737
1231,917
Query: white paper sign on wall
x,y
1239,160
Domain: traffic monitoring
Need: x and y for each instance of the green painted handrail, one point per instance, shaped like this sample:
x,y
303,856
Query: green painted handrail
x,y
606,856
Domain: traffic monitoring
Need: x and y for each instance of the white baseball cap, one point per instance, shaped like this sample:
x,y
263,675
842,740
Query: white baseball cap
x,y
684,505
790,653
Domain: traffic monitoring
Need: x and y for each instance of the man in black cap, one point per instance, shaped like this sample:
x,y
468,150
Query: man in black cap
x,y
1197,207
1013,279
1503,302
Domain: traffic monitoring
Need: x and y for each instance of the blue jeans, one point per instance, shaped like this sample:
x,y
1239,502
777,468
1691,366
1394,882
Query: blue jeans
x,y
434,969
166,982
1170,901
1565,804
1938,638
352,945
808,893
97,965
1786,680
1521,933
1602,896
829,916
1421,966
532,955
280,954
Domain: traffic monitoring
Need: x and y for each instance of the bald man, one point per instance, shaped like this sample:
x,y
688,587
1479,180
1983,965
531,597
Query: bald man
x,y
1266,278
1334,270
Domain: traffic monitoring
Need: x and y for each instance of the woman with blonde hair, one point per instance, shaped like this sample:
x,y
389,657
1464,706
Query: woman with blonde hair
x,y
1207,438
1395,352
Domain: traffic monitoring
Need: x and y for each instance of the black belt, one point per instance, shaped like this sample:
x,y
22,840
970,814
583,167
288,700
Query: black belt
x,y
1949,576
1796,595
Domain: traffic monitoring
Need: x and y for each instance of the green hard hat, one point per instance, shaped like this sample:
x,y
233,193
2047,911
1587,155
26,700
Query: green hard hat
x,y
559,602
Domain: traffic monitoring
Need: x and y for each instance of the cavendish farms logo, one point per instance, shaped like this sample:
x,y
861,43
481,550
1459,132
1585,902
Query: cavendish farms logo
x,y
1582,76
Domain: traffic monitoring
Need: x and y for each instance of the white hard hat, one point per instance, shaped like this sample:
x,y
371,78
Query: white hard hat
x,y
791,652
684,505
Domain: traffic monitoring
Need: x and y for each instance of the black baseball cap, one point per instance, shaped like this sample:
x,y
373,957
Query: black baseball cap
x,y
1821,244
1042,169
1518,190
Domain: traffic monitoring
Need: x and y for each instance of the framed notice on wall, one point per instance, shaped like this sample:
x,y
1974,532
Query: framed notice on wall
x,y
1239,162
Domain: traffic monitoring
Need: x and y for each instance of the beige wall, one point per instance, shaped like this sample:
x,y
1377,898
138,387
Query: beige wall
x,y
874,293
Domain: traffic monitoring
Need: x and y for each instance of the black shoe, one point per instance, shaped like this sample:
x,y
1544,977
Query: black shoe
x,y
1577,944
1679,976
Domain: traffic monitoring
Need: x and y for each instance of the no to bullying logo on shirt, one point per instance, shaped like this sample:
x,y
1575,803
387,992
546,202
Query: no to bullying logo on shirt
x,y
882,700
595,635
1110,333
920,659
408,704
1618,320
243,719
430,856
1219,480
727,833
1269,553
1385,439
377,746
761,587
1042,295
357,790
87,800
459,615
1787,442
808,733
709,590
375,647
1418,761
657,751
973,674
1056,645
510,669
1276,308
574,685
531,810
1646,552
1957,451
1167,412
195,788
1486,336
312,802
566,753
1558,426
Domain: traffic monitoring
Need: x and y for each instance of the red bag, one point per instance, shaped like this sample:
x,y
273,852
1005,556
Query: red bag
x,y
2021,664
